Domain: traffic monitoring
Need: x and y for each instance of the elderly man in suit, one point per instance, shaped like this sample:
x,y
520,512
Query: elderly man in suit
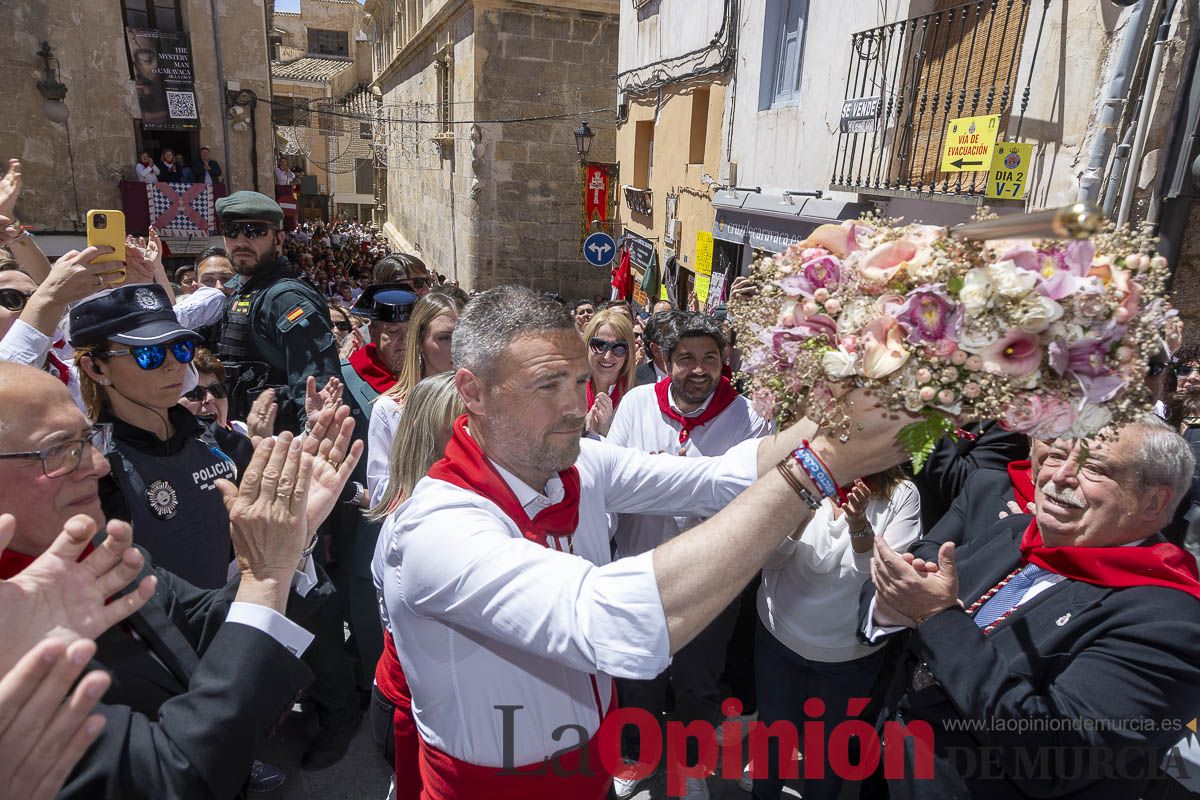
x,y
1058,655
198,677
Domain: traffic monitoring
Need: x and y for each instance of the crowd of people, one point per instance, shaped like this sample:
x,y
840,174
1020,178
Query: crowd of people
x,y
525,536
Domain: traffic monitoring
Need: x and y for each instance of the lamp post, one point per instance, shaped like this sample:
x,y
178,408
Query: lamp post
x,y
583,141
53,109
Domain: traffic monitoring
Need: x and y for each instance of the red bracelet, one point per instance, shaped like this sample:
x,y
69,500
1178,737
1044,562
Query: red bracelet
x,y
842,494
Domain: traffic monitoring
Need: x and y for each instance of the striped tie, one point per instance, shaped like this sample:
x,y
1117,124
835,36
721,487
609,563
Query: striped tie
x,y
1007,598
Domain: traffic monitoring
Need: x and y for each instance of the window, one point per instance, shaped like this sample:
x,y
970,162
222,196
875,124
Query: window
x,y
699,125
783,50
643,154
445,77
364,131
290,111
328,43
163,15
364,176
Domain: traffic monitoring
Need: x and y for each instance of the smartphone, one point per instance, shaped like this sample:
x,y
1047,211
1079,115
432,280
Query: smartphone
x,y
107,229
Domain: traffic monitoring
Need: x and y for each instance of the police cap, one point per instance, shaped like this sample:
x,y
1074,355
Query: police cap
x,y
135,315
386,302
249,205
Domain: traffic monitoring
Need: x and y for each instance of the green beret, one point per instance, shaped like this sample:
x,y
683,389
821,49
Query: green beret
x,y
249,205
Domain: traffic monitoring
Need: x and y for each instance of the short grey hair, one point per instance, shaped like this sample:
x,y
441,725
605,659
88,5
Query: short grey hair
x,y
492,320
1163,457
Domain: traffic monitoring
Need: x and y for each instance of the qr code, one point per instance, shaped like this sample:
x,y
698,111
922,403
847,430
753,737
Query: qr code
x,y
181,105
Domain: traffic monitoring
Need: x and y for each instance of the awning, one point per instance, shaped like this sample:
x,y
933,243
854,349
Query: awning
x,y
771,222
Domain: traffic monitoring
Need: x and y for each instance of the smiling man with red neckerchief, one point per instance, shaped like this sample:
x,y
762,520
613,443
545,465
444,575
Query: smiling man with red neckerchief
x,y
508,614
1070,639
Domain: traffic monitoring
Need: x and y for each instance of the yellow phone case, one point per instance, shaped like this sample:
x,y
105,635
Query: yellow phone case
x,y
107,229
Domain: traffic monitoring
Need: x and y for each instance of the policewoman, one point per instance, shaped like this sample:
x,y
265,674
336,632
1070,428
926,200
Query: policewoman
x,y
277,331
371,371
133,358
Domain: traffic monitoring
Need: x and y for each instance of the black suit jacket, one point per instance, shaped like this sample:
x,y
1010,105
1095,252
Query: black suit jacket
x,y
1083,667
191,698
971,515
953,462
645,373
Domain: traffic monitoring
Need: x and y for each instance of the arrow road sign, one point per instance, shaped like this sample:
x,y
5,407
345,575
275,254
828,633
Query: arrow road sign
x,y
959,163
599,249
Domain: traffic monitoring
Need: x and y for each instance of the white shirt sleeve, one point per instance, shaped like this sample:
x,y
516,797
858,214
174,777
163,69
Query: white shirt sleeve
x,y
385,419
25,344
667,485
621,430
294,638
201,308
461,566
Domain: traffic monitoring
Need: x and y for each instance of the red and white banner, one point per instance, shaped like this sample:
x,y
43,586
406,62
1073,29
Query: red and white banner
x,y
180,209
596,194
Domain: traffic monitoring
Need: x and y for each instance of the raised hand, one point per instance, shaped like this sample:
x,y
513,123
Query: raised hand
x,y
74,277
41,737
260,422
60,595
315,401
855,506
872,445
600,417
10,189
335,454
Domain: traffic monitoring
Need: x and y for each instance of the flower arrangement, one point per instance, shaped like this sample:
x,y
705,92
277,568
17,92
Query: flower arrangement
x,y
1052,338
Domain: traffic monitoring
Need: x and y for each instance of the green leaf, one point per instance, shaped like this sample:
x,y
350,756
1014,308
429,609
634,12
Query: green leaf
x,y
955,284
919,438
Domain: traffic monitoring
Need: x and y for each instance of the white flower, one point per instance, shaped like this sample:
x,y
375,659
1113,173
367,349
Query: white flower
x,y
973,340
1091,419
976,292
855,315
1010,281
838,363
1036,313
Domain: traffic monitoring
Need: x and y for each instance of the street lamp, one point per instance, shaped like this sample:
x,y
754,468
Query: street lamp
x,y
583,140
54,109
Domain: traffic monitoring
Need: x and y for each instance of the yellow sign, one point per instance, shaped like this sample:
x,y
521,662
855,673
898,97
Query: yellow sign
x,y
662,292
969,143
1009,171
704,259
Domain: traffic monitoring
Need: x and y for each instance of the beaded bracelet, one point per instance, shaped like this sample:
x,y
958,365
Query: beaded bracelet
x,y
809,500
818,473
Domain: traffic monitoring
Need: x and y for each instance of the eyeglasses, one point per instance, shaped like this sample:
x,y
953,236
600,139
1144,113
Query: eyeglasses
x,y
601,346
1183,370
197,395
343,326
14,299
63,459
152,356
251,230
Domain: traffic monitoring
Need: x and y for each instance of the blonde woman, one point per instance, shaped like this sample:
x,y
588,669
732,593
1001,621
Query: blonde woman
x,y
430,410
426,353
609,339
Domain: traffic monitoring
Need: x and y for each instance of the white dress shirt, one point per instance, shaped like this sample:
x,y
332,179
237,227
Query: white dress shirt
x,y
483,617
201,308
294,638
640,424
147,174
25,344
385,420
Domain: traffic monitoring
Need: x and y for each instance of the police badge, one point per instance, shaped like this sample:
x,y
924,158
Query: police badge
x,y
163,500
147,300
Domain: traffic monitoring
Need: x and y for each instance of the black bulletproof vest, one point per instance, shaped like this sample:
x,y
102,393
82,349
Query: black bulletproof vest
x,y
175,509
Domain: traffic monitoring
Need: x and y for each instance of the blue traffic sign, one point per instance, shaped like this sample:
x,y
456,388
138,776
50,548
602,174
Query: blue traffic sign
x,y
599,249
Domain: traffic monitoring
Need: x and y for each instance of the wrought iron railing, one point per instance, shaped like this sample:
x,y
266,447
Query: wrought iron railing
x,y
640,201
908,79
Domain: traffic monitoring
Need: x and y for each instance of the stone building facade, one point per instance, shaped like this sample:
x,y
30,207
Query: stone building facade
x,y
481,195
71,168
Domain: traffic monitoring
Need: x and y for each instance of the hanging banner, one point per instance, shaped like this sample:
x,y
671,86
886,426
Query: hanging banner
x,y
596,193
162,72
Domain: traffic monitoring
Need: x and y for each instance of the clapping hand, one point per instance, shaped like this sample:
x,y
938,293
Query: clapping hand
x,y
335,454
911,588
1014,509
855,507
600,417
260,422
315,401
60,595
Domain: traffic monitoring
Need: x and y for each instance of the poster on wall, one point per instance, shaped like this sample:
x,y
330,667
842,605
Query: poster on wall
x,y
162,73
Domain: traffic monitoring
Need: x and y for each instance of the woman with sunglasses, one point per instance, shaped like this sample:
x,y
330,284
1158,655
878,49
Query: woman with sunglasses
x,y
609,338
426,353
134,360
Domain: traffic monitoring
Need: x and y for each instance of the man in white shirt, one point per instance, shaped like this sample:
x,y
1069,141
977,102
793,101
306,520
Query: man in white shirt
x,y
509,616
694,411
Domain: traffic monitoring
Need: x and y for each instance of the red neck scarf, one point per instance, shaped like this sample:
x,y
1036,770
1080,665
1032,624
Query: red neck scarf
x,y
370,367
618,390
721,400
1021,475
12,562
465,466
1161,564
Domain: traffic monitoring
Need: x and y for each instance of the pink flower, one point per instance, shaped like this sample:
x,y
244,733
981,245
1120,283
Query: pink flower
x,y
786,343
882,263
1040,416
763,401
1016,353
883,348
839,240
822,272
1086,361
928,315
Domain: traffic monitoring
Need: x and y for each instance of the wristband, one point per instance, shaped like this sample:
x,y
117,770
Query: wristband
x,y
865,533
308,551
817,473
809,500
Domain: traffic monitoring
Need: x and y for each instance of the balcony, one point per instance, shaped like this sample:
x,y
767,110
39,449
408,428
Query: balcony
x,y
640,201
908,79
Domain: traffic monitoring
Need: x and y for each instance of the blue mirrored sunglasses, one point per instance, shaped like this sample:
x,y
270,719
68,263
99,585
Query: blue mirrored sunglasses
x,y
152,356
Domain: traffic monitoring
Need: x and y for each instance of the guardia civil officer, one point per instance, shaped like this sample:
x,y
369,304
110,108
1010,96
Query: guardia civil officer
x,y
277,331
371,371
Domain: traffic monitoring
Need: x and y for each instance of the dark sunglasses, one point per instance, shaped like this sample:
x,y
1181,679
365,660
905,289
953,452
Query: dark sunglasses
x,y
152,356
1183,370
14,299
197,395
343,326
251,230
600,346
